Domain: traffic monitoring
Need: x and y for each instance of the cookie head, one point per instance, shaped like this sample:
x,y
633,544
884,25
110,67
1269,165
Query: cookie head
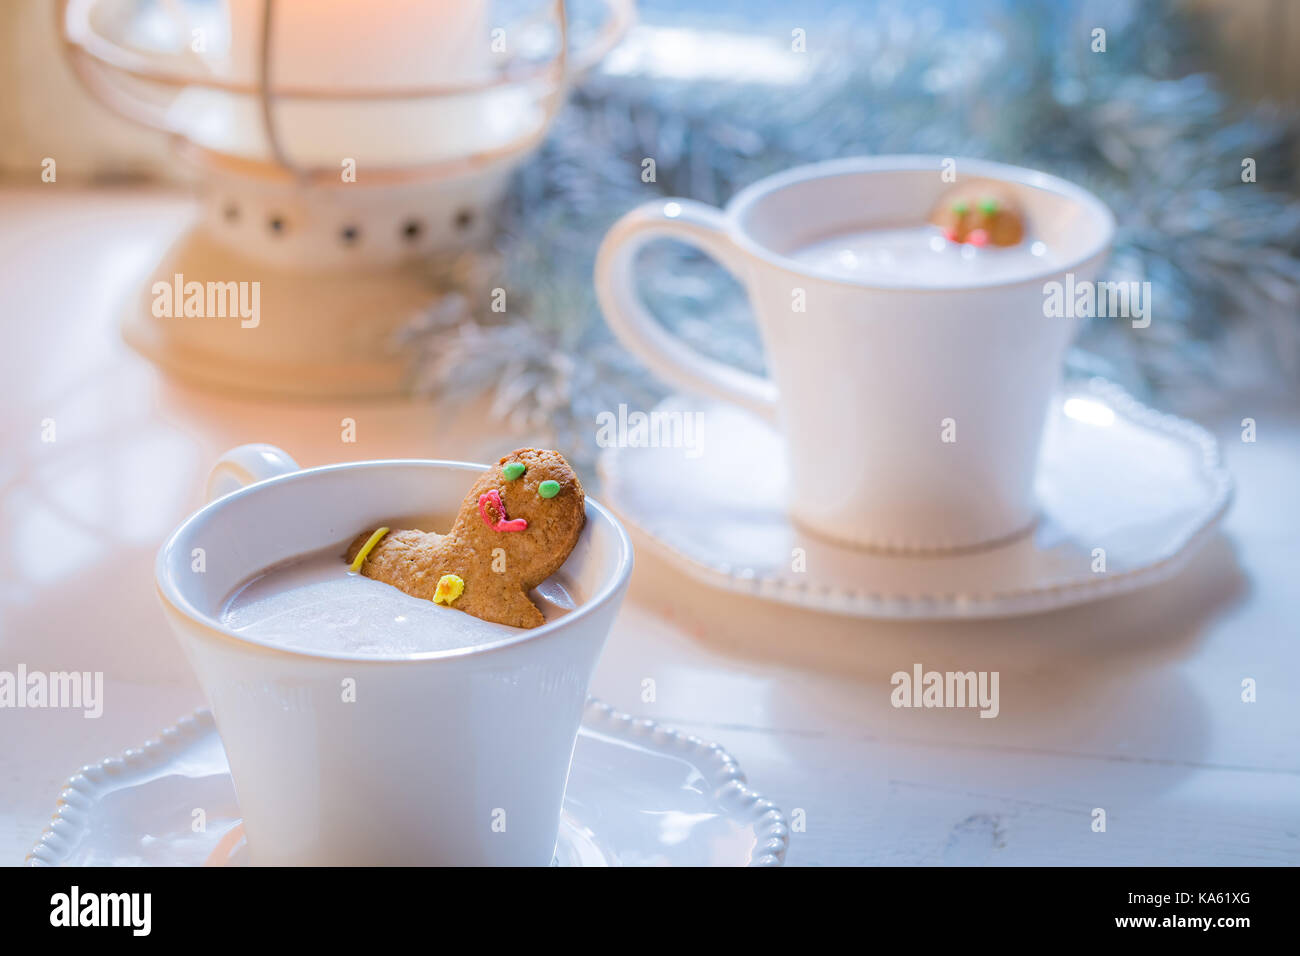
x,y
980,213
532,505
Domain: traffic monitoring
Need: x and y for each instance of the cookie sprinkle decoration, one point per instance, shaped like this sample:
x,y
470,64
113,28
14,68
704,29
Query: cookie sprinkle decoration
x,y
450,587
493,513
366,548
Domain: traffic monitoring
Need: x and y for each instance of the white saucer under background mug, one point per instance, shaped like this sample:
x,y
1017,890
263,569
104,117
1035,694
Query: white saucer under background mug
x,y
441,757
866,375
1144,489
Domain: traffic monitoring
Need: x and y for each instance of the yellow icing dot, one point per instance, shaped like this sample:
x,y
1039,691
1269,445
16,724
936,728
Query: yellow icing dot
x,y
366,548
450,587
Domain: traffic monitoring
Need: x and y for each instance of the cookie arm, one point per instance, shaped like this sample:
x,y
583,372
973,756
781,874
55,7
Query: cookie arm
x,y
386,560
523,611
506,606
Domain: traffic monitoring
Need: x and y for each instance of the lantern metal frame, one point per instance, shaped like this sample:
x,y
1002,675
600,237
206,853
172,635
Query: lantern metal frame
x,y
94,56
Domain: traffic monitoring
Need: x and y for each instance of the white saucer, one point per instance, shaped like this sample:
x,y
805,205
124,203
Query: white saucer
x,y
1144,486
639,795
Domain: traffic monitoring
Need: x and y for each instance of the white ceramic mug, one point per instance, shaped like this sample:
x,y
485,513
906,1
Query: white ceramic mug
x,y
865,379
443,757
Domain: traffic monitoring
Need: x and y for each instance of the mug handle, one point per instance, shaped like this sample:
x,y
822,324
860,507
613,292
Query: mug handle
x,y
669,357
246,464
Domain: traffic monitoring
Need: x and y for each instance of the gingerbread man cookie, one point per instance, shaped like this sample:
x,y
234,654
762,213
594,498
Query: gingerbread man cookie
x,y
981,213
515,528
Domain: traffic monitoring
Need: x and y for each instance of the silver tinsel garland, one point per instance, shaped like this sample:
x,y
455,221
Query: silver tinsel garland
x,y
1138,124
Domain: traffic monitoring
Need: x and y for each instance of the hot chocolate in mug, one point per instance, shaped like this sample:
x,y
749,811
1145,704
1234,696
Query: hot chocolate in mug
x,y
456,756
912,399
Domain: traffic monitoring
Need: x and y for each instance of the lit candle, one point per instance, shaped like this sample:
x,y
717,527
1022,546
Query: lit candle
x,y
363,44
349,45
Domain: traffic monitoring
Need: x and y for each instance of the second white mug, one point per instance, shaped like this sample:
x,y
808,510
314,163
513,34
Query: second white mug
x,y
912,413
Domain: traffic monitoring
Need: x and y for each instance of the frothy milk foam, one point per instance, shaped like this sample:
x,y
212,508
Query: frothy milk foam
x,y
315,603
920,255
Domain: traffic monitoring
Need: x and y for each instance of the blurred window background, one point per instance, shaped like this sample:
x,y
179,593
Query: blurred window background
x,y
1160,121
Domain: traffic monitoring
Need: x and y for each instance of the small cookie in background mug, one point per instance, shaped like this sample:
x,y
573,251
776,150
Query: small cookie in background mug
x,y
980,213
516,527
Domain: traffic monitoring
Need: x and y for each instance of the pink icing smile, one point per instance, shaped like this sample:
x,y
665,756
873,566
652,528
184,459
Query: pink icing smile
x,y
496,518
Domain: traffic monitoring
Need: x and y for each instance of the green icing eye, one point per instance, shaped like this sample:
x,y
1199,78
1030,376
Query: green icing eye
x,y
548,488
513,470
988,206
960,208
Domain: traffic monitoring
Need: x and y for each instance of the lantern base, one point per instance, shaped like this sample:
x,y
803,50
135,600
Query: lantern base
x,y
215,318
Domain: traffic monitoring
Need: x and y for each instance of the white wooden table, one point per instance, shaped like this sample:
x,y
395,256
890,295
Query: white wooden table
x,y
1133,706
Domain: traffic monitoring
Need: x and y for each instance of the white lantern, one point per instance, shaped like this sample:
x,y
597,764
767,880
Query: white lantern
x,y
341,144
